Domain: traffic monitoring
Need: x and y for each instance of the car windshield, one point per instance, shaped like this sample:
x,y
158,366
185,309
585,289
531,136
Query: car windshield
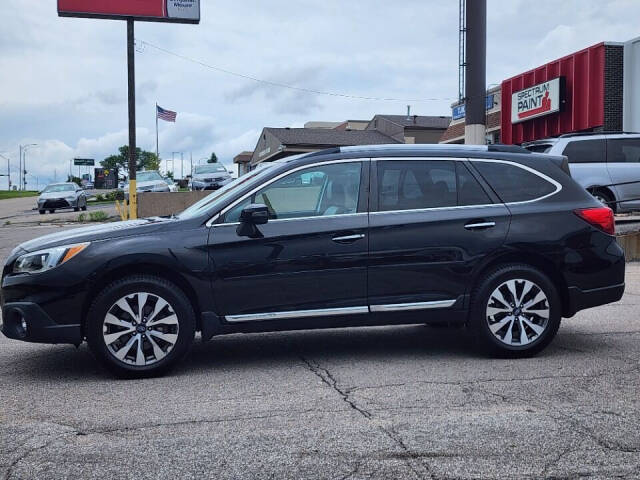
x,y
168,180
63,187
213,168
148,176
219,196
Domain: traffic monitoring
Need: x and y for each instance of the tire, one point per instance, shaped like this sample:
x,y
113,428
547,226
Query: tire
x,y
605,198
52,211
108,326
76,209
42,212
488,312
84,207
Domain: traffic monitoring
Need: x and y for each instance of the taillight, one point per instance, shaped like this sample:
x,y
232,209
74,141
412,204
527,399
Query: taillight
x,y
600,217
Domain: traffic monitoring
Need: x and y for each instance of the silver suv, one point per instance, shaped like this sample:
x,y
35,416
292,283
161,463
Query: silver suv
x,y
603,163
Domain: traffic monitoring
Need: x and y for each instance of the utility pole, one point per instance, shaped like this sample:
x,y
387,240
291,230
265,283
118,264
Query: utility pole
x,y
191,170
8,175
22,184
182,165
476,72
131,80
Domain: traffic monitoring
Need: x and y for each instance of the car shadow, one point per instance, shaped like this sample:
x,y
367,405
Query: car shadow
x,y
264,350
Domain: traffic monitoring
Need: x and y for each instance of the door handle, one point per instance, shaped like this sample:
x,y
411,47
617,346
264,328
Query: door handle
x,y
348,238
479,225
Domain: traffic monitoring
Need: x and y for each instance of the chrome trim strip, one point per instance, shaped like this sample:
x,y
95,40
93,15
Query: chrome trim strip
x,y
322,312
343,215
278,177
439,208
348,237
471,226
401,307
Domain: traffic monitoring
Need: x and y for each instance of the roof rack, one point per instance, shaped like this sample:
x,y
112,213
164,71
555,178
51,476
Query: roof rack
x,y
606,132
501,147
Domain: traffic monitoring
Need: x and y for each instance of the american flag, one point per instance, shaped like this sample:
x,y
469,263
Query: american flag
x,y
166,115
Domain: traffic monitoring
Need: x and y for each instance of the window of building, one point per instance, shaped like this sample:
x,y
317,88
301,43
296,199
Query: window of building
x,y
626,150
513,183
585,151
331,189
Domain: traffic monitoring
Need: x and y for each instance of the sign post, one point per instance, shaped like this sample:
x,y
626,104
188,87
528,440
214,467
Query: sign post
x,y
174,11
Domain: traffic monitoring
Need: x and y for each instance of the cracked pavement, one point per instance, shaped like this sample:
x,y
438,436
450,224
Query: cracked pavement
x,y
409,402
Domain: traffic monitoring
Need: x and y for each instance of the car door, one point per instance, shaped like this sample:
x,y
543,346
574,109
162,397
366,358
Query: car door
x,y
310,258
623,162
431,222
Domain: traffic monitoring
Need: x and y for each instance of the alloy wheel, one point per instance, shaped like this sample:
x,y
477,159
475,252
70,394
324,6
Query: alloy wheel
x,y
517,312
140,329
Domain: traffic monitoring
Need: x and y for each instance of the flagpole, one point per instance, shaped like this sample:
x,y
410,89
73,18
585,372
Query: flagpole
x,y
157,143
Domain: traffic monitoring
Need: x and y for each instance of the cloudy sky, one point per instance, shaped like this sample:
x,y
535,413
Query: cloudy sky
x,y
64,80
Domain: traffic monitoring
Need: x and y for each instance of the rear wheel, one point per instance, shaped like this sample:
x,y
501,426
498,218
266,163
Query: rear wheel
x,y
605,198
76,209
52,211
140,326
515,311
42,212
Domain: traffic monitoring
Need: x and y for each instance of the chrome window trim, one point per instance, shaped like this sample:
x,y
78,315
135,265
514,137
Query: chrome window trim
x,y
321,312
318,217
278,177
405,307
529,169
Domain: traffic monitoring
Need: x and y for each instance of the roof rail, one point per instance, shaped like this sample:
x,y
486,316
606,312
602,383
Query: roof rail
x,y
500,147
606,132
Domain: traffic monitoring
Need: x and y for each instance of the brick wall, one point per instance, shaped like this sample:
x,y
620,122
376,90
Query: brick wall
x,y
613,87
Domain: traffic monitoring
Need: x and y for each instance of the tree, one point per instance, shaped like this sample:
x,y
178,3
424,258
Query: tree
x,y
76,180
213,158
144,160
170,175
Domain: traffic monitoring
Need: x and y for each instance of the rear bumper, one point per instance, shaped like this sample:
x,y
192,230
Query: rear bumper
x,y
40,328
580,299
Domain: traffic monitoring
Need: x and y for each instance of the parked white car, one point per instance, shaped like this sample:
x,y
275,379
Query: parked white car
x,y
62,195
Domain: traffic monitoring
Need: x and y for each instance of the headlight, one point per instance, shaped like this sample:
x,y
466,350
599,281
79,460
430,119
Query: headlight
x,y
43,260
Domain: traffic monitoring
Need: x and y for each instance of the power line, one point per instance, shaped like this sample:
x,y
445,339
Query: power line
x,y
285,85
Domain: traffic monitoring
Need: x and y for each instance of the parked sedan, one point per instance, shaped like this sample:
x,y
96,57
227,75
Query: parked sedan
x,y
148,181
496,238
62,195
209,177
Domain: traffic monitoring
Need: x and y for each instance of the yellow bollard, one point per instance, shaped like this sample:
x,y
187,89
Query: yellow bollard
x,y
133,200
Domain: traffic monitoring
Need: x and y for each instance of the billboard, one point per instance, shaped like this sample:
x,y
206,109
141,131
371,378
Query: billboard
x,y
541,99
178,11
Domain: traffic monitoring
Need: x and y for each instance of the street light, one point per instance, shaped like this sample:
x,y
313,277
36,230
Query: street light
x,y
8,175
23,164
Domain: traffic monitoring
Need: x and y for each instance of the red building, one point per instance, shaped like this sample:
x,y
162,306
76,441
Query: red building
x,y
581,92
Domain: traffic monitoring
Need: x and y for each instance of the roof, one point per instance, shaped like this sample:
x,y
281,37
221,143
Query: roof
x,y
417,121
323,136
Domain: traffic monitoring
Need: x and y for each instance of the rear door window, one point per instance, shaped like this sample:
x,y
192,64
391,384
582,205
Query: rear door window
x,y
416,184
585,151
470,192
623,150
513,183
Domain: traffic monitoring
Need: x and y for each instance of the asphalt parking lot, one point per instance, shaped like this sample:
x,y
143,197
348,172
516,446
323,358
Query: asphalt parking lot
x,y
389,402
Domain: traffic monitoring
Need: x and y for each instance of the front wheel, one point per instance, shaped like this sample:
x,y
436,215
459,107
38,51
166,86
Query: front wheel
x,y
515,311
140,326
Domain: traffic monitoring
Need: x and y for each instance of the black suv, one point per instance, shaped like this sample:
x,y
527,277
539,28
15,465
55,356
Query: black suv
x,y
497,238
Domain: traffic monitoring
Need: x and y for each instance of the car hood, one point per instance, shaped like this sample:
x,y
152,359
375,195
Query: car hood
x,y
202,176
149,183
104,231
57,194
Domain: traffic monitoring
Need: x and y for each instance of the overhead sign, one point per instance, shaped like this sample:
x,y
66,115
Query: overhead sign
x,y
459,111
537,101
178,11
85,162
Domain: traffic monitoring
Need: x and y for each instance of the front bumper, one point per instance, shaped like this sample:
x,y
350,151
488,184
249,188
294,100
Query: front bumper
x,y
55,203
580,299
40,328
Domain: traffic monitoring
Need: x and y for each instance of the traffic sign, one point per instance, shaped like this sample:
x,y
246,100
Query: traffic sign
x,y
86,162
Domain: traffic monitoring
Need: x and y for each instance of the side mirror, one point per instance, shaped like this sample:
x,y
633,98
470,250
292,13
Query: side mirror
x,y
252,215
256,213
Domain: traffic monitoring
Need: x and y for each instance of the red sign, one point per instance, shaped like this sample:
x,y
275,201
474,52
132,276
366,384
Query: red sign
x,y
180,11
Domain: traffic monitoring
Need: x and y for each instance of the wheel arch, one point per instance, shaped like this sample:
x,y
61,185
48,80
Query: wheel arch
x,y
146,267
533,260
607,191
